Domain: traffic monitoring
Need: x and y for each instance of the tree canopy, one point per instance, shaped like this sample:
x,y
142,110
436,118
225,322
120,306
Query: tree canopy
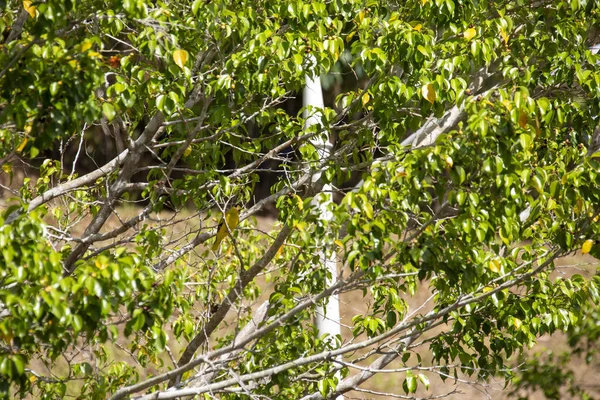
x,y
461,152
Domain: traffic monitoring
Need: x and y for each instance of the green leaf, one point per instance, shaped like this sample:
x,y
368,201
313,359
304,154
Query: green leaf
x,y
391,319
109,111
424,380
196,6
410,384
525,140
323,386
19,363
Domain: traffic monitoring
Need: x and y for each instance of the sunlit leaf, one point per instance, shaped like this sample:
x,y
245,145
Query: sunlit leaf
x,y
504,36
109,111
180,57
470,33
494,265
27,5
365,98
449,161
22,145
428,92
517,323
587,246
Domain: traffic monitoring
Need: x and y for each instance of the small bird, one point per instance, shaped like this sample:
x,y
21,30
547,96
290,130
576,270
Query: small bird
x,y
232,218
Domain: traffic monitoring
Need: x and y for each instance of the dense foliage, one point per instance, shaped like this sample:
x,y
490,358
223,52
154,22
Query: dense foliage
x,y
463,156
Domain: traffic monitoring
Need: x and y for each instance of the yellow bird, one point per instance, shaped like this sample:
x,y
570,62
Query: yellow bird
x,y
232,218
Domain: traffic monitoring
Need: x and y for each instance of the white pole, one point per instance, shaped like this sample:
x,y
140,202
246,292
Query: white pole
x,y
327,319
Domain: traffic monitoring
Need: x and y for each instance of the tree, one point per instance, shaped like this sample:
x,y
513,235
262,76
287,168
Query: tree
x,y
468,125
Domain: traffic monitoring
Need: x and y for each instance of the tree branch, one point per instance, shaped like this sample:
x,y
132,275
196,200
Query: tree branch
x,y
70,186
125,391
17,27
234,294
324,356
132,158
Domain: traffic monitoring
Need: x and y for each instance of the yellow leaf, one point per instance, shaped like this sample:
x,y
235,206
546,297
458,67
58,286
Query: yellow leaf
x,y
300,225
494,265
470,33
522,119
517,323
279,251
101,263
423,2
504,36
350,36
339,243
587,246
400,172
187,151
22,145
299,202
29,8
7,167
85,46
428,92
361,17
180,57
417,27
365,98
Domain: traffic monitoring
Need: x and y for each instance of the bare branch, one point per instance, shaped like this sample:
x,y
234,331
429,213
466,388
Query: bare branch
x,y
17,27
70,186
121,393
234,294
476,296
